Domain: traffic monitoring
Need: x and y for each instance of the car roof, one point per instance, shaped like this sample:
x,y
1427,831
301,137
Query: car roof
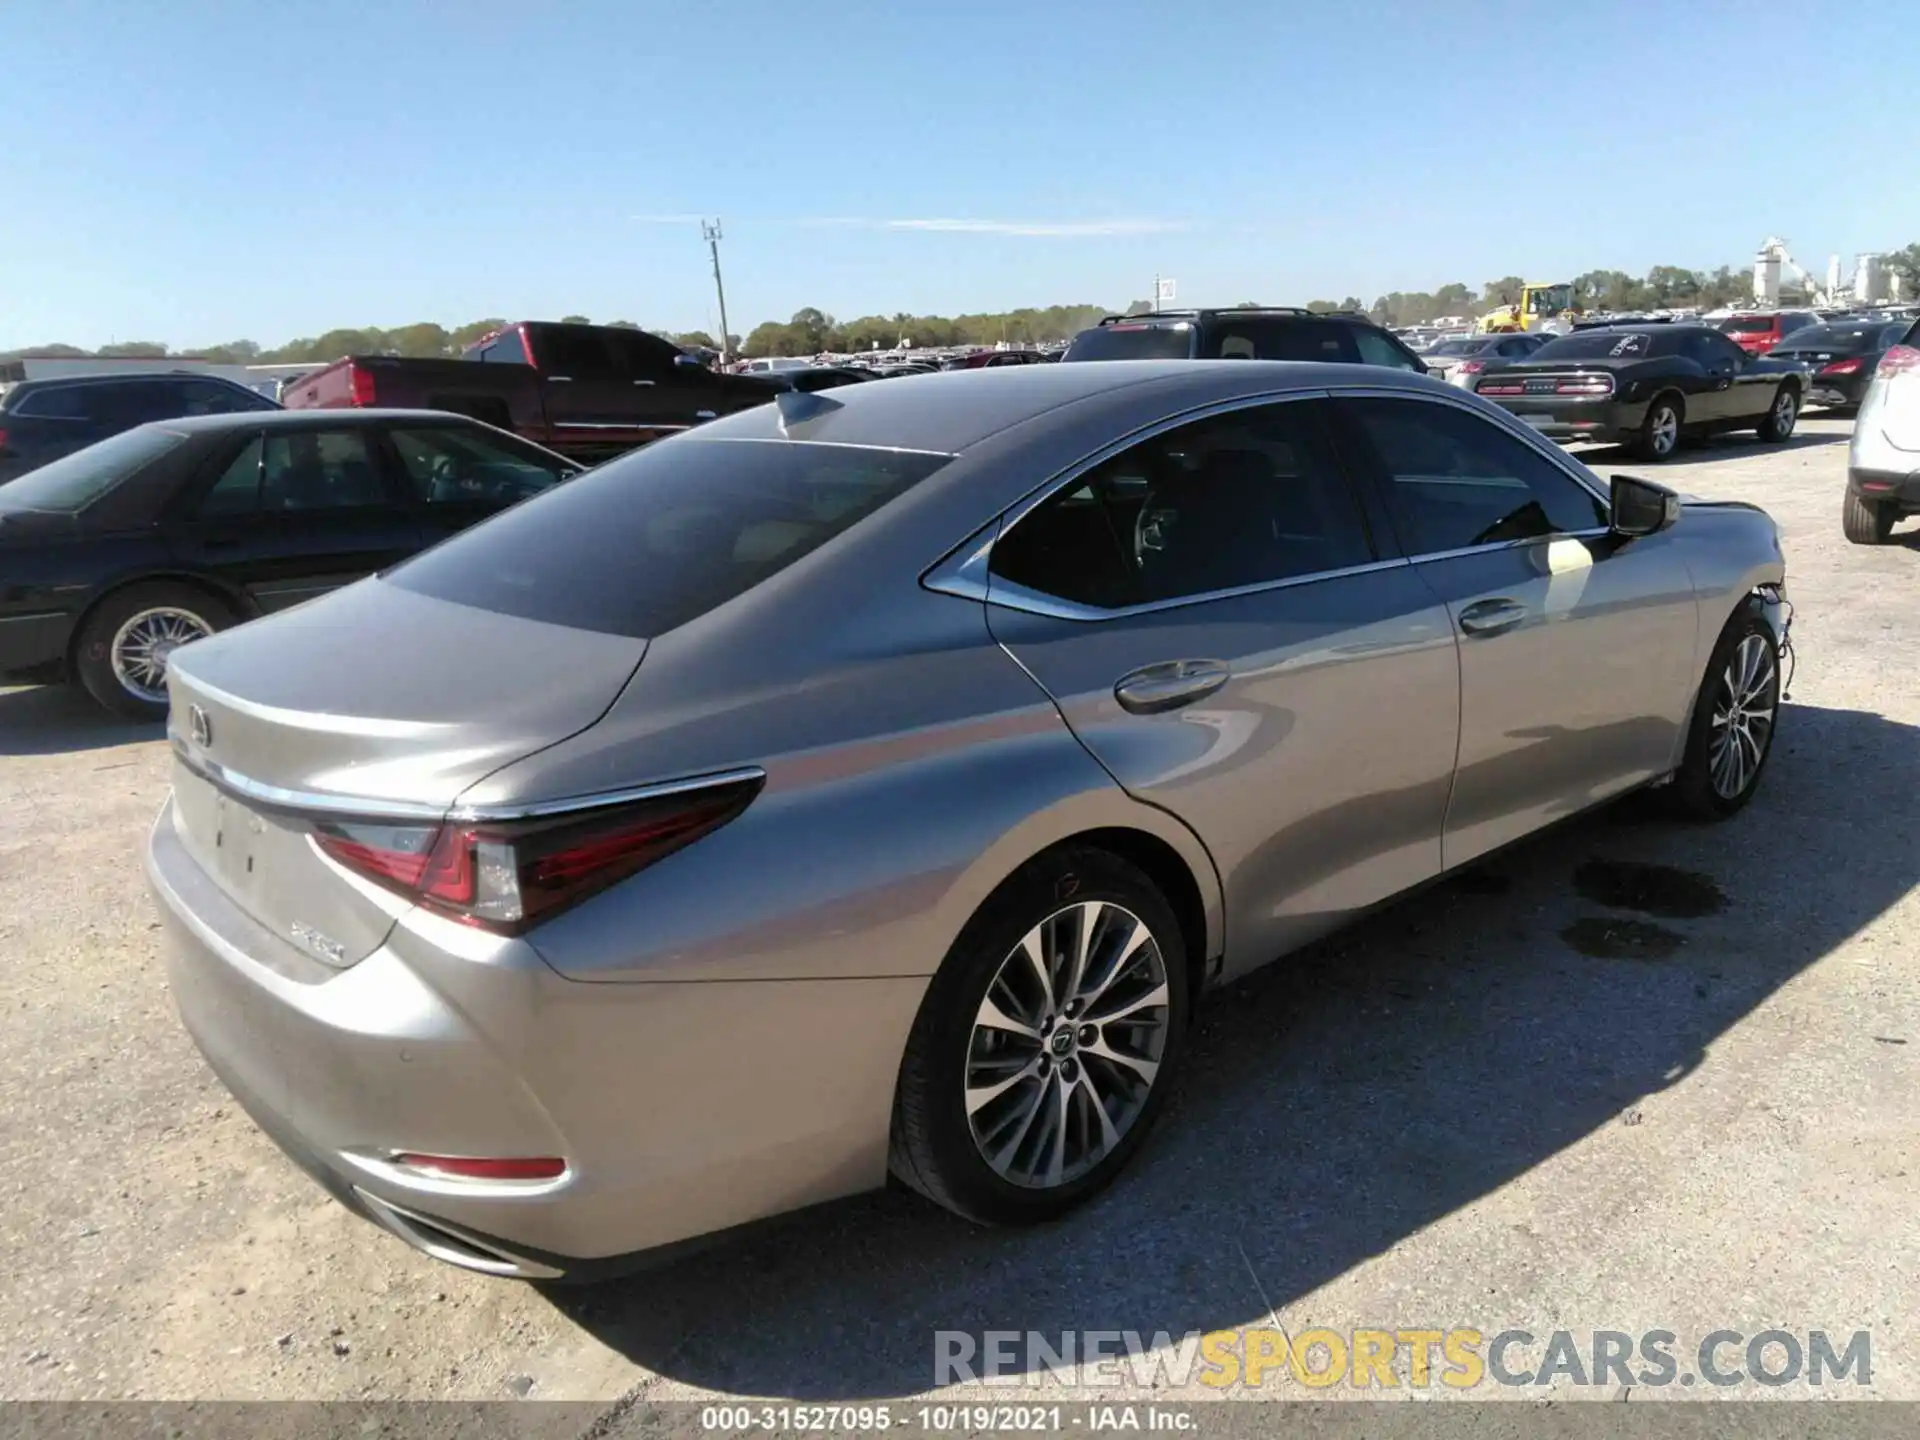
x,y
951,410
49,382
304,420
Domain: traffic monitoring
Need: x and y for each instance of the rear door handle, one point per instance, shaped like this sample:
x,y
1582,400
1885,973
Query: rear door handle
x,y
1491,617
1167,686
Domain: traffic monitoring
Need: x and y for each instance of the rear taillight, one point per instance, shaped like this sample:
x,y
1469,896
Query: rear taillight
x,y
1472,367
507,876
360,386
1584,385
1500,387
1840,367
1899,360
3,438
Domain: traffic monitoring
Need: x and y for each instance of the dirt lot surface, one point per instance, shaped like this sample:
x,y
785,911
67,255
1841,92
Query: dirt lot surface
x,y
1463,1113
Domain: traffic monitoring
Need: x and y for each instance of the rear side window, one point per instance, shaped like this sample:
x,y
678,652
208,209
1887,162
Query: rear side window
x,y
1267,339
1242,499
659,537
470,467
319,470
62,402
75,481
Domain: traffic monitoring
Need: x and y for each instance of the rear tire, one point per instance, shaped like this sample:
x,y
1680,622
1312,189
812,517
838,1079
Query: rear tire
x,y
1865,523
1659,433
1010,1065
1776,426
123,647
1734,720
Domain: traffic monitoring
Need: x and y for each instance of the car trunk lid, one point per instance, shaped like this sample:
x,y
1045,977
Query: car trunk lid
x,y
377,702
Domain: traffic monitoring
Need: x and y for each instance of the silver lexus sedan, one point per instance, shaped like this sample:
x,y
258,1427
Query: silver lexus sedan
x,y
871,782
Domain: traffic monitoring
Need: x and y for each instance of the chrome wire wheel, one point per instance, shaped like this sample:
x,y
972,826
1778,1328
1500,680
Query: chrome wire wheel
x,y
142,645
1742,723
1067,1044
1664,432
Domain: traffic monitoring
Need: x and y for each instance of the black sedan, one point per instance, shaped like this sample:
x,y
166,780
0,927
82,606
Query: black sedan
x,y
1644,386
1840,357
116,555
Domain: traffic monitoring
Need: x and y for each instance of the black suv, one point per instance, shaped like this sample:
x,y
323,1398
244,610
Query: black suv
x,y
1269,332
41,420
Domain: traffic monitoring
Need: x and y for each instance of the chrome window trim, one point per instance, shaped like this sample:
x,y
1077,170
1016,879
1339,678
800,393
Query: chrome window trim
x,y
1018,597
279,797
824,444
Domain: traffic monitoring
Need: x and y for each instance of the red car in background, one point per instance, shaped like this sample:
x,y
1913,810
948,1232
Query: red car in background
x,y
1758,331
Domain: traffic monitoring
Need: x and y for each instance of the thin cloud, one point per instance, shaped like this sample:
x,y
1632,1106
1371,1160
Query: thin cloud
x,y
1035,229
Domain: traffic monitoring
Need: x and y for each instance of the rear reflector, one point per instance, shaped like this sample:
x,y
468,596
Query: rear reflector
x,y
506,876
466,1167
1899,360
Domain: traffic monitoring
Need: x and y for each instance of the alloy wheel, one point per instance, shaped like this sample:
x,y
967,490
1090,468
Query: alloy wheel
x,y
1785,411
1665,430
1743,712
1067,1044
143,644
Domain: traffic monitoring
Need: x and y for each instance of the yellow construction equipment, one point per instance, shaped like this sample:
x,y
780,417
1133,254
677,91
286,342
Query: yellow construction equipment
x,y
1539,307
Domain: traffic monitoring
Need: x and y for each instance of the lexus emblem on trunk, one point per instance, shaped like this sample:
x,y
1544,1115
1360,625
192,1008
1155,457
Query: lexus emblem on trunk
x,y
200,726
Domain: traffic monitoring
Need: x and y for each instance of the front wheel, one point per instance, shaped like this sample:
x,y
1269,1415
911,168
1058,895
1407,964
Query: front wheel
x,y
1046,1043
1777,425
1659,433
1731,734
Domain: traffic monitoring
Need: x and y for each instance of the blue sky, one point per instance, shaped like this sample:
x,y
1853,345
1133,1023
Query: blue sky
x,y
196,172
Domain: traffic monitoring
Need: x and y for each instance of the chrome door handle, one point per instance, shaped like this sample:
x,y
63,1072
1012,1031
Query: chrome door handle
x,y
1167,686
1490,617
643,382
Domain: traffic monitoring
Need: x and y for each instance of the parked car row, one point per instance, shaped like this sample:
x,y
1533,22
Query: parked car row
x,y
982,720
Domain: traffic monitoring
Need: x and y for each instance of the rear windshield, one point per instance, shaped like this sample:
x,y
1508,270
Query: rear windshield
x,y
1596,345
1750,324
1843,338
1132,342
658,537
1458,347
75,481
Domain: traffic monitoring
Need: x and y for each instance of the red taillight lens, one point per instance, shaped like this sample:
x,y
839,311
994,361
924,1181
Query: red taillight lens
x,y
467,1167
3,438
507,876
1839,367
361,387
1472,367
1499,387
1899,360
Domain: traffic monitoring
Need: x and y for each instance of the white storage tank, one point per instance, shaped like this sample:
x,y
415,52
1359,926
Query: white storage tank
x,y
1766,278
1870,279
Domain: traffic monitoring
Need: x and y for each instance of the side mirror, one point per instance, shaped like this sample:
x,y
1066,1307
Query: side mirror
x,y
1641,507
688,362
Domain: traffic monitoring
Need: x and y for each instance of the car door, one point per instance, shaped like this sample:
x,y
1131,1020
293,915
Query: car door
x,y
459,475
1751,385
1208,609
285,515
1709,391
1576,646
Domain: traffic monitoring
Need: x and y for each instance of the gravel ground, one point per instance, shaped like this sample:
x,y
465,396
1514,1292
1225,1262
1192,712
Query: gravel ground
x,y
1454,1115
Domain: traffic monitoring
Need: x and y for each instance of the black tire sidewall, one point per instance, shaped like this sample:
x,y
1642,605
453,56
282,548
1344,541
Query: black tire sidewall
x,y
92,650
936,1060
1769,427
1693,785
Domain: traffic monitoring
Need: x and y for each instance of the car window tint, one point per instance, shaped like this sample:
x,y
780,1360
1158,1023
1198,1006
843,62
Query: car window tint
x,y
647,542
1456,480
1377,349
469,467
506,350
319,470
75,481
576,352
643,355
60,402
237,491
1241,499
206,397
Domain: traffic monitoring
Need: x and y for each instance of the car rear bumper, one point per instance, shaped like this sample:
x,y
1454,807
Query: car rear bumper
x,y
1878,486
680,1108
1572,422
1835,390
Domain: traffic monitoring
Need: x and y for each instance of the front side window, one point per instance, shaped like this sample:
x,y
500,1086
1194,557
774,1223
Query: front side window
x,y
1237,500
319,470
237,491
1455,480
469,467
1377,349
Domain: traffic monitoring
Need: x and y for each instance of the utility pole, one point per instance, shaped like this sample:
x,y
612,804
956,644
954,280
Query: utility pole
x,y
710,232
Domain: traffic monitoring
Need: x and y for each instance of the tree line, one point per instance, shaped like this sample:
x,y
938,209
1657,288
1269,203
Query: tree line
x,y
812,331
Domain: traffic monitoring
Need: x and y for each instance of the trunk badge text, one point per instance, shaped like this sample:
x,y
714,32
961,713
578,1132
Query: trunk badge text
x,y
325,946
200,726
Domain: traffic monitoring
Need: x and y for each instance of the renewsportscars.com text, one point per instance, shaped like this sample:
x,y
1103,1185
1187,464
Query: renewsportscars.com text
x,y
1460,1358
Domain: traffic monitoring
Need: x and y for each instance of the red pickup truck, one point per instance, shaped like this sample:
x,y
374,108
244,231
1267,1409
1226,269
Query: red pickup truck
x,y
588,391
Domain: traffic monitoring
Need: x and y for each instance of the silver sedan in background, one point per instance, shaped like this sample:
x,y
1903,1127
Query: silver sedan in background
x,y
873,781
1458,359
